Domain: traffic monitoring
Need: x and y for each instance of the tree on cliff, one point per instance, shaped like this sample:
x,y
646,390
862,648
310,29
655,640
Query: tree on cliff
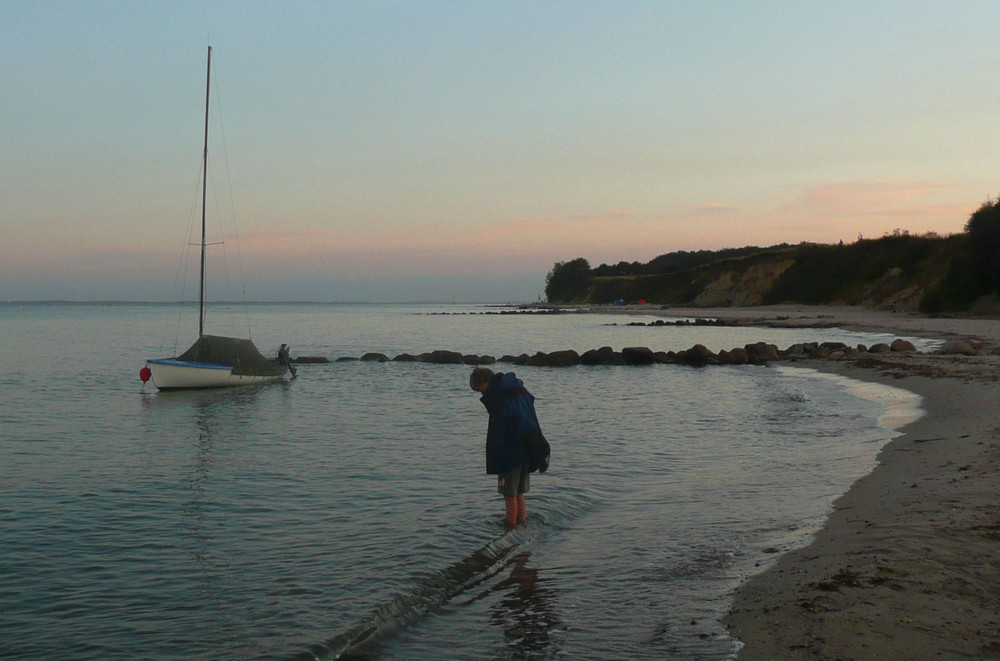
x,y
983,228
567,281
975,270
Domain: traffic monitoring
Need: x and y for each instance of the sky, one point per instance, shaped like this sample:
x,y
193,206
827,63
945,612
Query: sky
x,y
393,151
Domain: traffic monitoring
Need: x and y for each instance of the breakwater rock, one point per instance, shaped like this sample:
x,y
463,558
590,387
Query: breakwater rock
x,y
700,321
757,353
305,360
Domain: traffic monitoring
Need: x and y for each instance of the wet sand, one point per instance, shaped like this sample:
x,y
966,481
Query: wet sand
x,y
907,566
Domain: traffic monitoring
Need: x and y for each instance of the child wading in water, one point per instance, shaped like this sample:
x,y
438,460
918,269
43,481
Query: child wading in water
x,y
515,445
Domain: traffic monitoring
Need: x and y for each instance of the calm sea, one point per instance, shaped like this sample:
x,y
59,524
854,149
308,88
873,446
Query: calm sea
x,y
347,514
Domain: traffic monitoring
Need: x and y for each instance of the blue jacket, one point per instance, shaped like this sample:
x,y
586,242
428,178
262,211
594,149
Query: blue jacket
x,y
513,424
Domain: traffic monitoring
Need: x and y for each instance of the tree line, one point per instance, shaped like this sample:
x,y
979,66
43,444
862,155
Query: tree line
x,y
952,272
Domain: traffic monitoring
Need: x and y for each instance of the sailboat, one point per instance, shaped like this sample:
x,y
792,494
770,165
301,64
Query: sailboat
x,y
212,361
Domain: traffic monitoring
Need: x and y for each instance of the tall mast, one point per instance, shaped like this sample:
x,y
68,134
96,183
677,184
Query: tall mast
x,y
204,190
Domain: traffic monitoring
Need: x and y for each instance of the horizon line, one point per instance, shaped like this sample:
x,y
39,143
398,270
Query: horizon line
x,y
60,301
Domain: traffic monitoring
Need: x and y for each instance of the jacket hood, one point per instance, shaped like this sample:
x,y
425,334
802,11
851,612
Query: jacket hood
x,y
506,381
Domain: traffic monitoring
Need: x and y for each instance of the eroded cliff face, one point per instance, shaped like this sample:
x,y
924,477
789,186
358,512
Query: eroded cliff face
x,y
742,288
891,293
893,273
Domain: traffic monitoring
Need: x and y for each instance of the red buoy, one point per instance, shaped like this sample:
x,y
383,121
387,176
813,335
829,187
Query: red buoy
x,y
145,373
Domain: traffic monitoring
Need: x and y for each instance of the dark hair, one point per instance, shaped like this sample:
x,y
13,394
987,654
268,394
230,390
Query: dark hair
x,y
479,376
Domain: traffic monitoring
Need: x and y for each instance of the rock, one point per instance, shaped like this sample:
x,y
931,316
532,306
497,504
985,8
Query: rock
x,y
374,358
602,356
881,347
638,356
311,359
346,359
962,347
473,359
902,345
761,352
539,359
697,355
833,346
442,357
737,356
799,350
565,358
406,358
613,358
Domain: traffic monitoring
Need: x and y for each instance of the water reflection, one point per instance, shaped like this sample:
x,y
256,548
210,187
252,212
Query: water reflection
x,y
527,612
193,509
201,426
197,536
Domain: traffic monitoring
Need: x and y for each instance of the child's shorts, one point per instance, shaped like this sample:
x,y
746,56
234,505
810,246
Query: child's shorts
x,y
514,483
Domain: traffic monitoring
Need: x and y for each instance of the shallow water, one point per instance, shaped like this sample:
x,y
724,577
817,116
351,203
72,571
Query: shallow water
x,y
347,512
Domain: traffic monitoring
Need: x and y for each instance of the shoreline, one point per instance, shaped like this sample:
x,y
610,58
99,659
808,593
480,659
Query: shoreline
x,y
984,328
907,563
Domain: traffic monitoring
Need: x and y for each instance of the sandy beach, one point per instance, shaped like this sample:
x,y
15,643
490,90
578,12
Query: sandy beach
x,y
907,566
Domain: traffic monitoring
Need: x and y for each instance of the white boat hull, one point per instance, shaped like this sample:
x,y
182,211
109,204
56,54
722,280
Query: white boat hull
x,y
179,374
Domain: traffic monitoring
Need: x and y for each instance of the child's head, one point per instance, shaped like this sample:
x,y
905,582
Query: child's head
x,y
480,378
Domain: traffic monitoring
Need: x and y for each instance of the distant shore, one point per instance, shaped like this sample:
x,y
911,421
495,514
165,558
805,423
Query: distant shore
x,y
818,316
908,563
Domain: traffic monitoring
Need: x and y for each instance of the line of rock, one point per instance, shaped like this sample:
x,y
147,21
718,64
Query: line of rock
x,y
758,353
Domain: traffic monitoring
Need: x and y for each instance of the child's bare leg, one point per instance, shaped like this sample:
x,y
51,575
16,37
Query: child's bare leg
x,y
510,502
522,509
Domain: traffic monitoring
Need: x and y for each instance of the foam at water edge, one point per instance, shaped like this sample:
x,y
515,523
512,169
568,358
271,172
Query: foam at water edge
x,y
902,407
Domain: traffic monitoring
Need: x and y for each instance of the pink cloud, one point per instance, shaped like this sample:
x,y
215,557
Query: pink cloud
x,y
558,224
915,205
827,213
711,209
823,213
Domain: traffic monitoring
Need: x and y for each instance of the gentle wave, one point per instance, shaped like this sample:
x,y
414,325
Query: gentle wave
x,y
902,407
434,591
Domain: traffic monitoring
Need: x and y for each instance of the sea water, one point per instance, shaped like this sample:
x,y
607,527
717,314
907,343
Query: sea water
x,y
347,514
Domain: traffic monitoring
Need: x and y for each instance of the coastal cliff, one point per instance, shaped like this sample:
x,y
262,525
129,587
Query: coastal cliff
x,y
929,273
897,272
